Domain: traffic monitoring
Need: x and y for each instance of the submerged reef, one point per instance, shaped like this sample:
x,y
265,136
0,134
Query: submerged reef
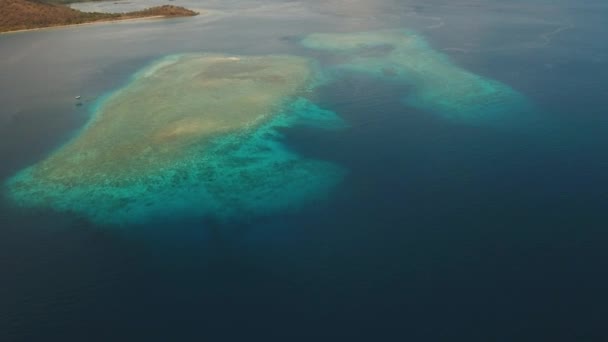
x,y
189,135
437,85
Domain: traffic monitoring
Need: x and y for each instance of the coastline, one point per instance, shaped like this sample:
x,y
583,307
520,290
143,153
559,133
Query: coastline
x,y
104,21
29,15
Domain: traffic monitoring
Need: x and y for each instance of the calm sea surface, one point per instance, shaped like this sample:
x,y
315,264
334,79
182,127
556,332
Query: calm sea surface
x,y
442,230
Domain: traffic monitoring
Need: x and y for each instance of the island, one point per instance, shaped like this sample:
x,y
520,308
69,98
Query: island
x,y
20,15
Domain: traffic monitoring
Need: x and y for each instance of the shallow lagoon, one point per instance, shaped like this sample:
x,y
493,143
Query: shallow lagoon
x,y
437,84
192,135
436,226
195,134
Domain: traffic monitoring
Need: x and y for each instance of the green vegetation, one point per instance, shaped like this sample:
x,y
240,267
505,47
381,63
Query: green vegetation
x,y
29,14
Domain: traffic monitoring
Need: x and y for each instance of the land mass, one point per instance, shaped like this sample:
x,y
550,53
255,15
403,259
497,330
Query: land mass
x,y
30,14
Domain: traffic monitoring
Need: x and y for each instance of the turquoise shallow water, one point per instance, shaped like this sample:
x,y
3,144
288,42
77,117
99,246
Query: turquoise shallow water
x,y
240,170
249,173
239,175
437,85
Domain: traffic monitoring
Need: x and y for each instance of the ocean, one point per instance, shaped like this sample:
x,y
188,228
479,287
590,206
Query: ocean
x,y
460,215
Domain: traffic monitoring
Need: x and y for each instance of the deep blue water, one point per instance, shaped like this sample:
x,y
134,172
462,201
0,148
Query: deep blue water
x,y
442,230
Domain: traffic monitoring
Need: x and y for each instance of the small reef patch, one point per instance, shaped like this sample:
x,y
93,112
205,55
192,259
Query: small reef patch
x,y
437,85
190,135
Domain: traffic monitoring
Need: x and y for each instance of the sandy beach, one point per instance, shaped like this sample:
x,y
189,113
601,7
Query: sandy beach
x,y
119,20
